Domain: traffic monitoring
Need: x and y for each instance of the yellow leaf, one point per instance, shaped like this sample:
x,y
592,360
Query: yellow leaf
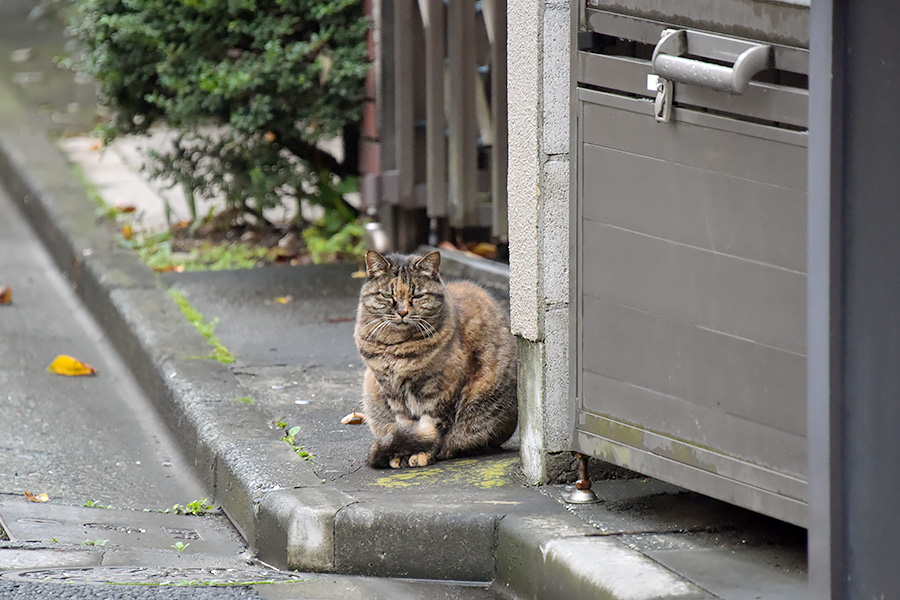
x,y
283,299
354,418
485,250
36,497
361,274
5,294
66,365
127,231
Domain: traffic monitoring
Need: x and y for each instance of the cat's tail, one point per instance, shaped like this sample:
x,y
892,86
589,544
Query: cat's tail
x,y
398,446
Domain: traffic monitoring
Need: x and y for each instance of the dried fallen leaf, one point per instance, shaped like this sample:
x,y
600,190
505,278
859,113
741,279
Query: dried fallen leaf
x,y
36,497
5,294
269,136
66,365
354,418
126,208
170,269
283,300
127,231
485,250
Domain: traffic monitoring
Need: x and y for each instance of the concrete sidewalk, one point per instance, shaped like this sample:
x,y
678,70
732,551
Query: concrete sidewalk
x,y
469,519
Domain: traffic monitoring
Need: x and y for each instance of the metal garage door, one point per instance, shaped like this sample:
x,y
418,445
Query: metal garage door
x,y
689,284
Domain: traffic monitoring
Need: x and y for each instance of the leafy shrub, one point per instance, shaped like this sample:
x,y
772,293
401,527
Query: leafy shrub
x,y
251,86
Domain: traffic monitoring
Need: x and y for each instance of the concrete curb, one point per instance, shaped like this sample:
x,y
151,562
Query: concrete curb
x,y
275,500
561,557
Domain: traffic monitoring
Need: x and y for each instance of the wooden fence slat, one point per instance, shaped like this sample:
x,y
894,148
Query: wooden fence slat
x,y
404,104
495,19
436,139
462,118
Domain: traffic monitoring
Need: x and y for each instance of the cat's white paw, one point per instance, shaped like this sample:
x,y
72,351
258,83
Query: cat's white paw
x,y
419,460
395,462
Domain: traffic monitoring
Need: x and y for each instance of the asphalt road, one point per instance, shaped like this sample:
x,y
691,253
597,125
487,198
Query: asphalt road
x,y
77,439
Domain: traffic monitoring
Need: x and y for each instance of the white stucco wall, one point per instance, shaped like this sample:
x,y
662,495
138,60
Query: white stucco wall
x,y
538,90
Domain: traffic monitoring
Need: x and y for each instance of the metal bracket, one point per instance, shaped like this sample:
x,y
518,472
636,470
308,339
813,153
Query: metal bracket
x,y
662,108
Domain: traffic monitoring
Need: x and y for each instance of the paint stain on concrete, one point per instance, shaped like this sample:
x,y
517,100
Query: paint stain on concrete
x,y
476,472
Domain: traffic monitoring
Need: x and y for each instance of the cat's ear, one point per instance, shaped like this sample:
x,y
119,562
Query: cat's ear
x,y
429,264
376,264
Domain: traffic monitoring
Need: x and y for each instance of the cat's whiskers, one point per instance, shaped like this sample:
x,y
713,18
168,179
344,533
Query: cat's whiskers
x,y
369,324
378,318
382,323
420,328
424,326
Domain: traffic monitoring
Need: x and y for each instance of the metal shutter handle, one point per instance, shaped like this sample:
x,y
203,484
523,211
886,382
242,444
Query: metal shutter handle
x,y
669,64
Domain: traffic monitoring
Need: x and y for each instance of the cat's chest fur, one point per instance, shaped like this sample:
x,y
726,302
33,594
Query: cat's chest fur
x,y
410,388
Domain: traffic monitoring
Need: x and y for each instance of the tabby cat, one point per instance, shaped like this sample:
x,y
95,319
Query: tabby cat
x,y
441,368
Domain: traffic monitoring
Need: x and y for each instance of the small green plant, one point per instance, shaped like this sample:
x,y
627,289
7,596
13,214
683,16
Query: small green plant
x,y
206,328
93,192
338,234
246,400
155,249
94,542
326,244
280,424
95,504
180,546
197,508
290,439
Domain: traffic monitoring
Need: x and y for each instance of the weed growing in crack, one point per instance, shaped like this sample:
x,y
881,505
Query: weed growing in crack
x,y
197,508
289,438
206,328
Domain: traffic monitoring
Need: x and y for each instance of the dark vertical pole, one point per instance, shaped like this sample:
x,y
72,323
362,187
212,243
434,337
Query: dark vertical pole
x,y
854,299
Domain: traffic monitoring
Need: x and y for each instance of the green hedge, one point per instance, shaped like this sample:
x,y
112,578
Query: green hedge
x,y
250,85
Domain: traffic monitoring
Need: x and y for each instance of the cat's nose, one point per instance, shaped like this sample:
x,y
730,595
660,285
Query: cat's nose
x,y
402,310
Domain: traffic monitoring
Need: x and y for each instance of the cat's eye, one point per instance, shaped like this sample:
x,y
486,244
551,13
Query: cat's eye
x,y
385,295
419,296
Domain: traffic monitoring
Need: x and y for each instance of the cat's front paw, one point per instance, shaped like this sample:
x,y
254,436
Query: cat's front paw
x,y
401,449
421,459
416,460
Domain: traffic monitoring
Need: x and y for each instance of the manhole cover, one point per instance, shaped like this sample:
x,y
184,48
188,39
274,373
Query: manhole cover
x,y
154,576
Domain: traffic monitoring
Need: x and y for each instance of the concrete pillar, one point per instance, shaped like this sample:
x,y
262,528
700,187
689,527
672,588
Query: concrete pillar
x,y
538,188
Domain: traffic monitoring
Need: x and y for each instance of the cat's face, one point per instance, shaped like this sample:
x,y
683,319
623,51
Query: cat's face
x,y
401,294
